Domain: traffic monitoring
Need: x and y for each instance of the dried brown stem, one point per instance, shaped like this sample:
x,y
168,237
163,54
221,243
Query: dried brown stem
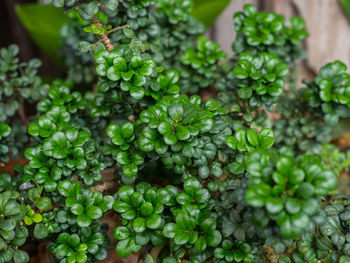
x,y
104,38
111,31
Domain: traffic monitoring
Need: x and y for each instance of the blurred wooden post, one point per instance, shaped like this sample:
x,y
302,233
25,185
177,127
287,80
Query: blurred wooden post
x,y
329,32
328,27
223,30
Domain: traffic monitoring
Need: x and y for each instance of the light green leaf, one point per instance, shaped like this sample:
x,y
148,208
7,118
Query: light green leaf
x,y
154,221
148,259
77,209
43,24
345,4
206,11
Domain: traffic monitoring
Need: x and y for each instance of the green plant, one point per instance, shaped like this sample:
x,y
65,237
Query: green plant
x,y
260,79
205,180
200,66
266,32
331,241
13,232
331,92
130,73
345,6
141,214
236,252
80,248
288,192
5,132
19,84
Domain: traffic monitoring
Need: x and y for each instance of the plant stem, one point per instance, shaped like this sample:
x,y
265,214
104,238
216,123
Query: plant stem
x,y
104,38
111,31
116,29
22,114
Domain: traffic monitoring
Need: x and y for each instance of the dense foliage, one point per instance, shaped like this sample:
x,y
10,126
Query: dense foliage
x,y
205,180
13,233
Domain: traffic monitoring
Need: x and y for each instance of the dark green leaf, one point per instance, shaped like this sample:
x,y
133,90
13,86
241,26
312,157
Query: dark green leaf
x,y
43,203
40,231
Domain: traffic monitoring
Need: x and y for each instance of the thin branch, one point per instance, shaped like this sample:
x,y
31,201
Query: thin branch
x,y
98,42
110,31
104,38
116,29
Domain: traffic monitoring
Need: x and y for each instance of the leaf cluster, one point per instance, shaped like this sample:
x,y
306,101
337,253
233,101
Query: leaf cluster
x,y
260,78
153,215
330,92
331,242
128,72
266,32
176,129
79,248
19,84
213,186
13,233
199,67
287,190
141,212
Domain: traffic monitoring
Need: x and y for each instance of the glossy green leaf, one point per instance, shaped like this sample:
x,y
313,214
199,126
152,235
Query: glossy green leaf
x,y
121,232
94,212
139,225
43,203
83,220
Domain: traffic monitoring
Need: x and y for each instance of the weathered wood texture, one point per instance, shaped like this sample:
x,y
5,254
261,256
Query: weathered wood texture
x,y
329,28
223,30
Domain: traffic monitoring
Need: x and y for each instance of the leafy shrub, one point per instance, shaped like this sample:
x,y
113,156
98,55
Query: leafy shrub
x,y
266,31
330,91
213,180
19,84
260,78
287,190
13,233
200,66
